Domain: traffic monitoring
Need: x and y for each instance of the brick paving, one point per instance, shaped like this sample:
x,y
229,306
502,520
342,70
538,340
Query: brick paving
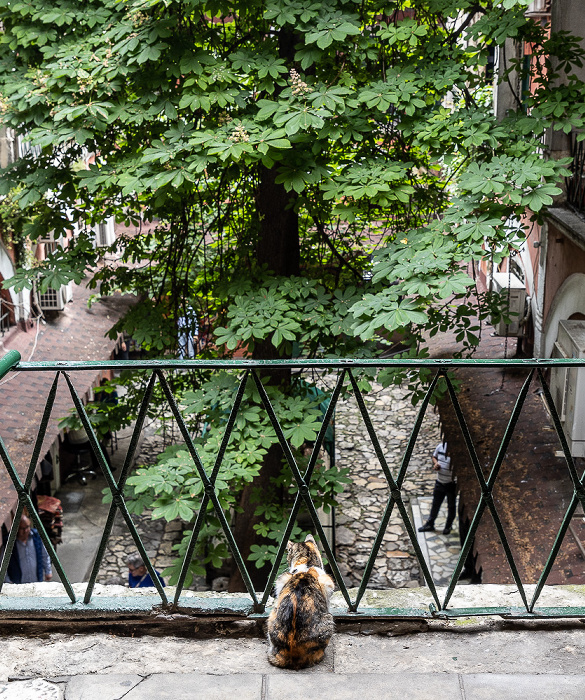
x,y
533,489
77,333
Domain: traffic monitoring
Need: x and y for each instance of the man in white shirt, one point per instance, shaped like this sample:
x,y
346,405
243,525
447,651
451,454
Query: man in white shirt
x,y
445,486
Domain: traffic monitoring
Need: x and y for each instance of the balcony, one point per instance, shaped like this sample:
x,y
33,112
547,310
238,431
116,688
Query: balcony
x,y
515,640
532,599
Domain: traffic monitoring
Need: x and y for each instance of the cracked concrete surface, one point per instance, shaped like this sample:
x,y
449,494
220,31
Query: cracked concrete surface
x,y
472,662
114,687
454,649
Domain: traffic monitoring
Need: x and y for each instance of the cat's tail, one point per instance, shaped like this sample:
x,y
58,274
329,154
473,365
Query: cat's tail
x,y
297,658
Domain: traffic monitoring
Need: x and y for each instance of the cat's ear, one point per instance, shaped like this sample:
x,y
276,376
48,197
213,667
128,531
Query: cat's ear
x,y
310,538
289,545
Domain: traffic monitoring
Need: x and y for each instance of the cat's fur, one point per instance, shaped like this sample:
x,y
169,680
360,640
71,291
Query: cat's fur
x,y
300,624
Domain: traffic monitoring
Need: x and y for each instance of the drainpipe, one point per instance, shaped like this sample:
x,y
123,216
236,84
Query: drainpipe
x,y
538,298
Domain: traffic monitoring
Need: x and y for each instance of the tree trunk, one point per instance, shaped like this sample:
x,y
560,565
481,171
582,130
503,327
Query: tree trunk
x,y
278,248
278,241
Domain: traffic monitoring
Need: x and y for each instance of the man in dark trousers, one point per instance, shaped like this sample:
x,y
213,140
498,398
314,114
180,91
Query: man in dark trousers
x,y
444,486
30,561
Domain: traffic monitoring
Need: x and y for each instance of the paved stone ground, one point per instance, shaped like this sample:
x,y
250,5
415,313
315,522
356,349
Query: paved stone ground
x,y
158,536
443,550
362,504
249,686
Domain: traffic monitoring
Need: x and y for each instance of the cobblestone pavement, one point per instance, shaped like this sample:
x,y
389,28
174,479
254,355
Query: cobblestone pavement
x,y
443,550
363,502
158,536
360,508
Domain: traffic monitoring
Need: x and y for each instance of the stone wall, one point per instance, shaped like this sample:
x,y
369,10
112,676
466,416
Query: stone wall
x,y
362,504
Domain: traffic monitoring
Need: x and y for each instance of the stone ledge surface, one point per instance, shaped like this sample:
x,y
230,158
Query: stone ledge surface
x,y
458,649
479,596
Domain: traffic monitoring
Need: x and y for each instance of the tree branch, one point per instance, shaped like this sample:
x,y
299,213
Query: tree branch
x,y
334,250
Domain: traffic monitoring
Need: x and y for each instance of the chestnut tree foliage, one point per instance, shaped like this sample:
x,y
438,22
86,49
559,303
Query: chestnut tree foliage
x,y
300,178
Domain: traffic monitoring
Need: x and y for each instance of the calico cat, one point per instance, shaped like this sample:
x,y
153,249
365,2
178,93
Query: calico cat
x,y
300,624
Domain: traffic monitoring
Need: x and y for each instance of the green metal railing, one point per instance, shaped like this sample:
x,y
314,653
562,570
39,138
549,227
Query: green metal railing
x,y
347,371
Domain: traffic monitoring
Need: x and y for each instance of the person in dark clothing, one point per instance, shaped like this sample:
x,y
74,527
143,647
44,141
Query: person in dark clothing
x,y
138,576
30,561
445,487
122,353
106,397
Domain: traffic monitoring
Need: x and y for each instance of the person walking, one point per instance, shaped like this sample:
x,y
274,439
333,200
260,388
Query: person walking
x,y
445,487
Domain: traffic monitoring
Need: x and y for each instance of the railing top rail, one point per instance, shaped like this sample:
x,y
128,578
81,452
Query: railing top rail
x,y
69,365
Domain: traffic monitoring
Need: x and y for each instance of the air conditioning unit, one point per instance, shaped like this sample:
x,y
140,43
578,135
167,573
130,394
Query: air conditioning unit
x,y
67,292
56,299
538,7
105,233
509,285
567,384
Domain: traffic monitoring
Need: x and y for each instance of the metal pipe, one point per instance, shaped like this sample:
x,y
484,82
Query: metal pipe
x,y
8,362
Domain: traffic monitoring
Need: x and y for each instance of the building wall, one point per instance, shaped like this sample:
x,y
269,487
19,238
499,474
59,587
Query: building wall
x,y
569,16
563,268
554,255
564,258
8,147
561,276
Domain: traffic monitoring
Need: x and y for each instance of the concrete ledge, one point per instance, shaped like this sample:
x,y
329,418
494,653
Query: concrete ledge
x,y
475,596
110,665
36,609
571,225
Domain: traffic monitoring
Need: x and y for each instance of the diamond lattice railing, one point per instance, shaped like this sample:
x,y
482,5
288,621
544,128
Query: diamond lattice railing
x,y
347,380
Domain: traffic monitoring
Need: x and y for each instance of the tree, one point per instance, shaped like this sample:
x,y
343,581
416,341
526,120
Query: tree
x,y
308,176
